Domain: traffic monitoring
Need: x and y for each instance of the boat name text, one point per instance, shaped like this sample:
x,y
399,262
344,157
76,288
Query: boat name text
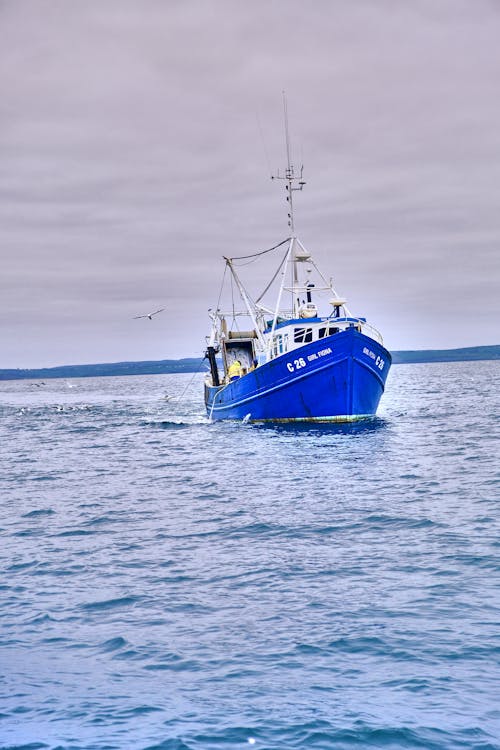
x,y
379,362
299,363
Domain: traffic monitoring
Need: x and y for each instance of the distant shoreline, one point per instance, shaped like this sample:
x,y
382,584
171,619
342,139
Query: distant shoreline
x,y
195,364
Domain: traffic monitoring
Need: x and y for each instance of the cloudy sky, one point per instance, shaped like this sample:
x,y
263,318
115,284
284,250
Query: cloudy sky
x,y
137,139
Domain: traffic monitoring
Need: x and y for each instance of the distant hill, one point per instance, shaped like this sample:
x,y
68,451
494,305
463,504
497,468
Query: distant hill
x,y
110,368
194,364
447,355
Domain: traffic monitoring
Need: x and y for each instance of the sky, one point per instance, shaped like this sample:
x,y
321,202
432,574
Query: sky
x,y
137,141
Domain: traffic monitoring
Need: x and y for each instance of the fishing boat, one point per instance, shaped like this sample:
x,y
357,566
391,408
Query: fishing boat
x,y
301,358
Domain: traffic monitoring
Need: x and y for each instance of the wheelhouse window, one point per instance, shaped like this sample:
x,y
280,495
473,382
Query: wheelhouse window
x,y
280,344
277,346
302,335
327,332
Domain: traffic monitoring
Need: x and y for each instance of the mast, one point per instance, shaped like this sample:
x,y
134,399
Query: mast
x,y
289,174
291,179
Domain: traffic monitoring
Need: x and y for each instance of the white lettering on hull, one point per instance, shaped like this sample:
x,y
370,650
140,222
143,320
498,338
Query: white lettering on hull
x,y
298,364
379,362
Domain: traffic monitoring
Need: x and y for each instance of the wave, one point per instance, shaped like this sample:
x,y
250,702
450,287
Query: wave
x,y
323,735
124,601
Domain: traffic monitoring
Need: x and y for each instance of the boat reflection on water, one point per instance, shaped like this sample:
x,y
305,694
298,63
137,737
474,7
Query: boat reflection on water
x,y
318,429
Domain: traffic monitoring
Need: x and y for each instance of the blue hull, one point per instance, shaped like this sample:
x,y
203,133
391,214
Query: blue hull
x,y
336,379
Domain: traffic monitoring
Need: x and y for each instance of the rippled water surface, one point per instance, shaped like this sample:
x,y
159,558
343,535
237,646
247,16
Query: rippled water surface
x,y
173,584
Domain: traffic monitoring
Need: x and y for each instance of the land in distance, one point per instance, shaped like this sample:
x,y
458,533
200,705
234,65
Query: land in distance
x,y
194,364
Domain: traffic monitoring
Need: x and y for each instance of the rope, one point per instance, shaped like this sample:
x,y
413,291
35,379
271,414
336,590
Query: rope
x,y
274,277
233,324
221,287
262,252
178,400
211,410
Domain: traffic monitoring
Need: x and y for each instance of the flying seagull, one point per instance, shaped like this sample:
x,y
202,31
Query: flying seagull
x,y
149,315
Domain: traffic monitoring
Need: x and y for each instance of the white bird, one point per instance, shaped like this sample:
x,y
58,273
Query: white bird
x,y
149,315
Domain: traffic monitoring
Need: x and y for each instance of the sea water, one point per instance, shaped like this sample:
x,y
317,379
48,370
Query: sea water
x,y
173,584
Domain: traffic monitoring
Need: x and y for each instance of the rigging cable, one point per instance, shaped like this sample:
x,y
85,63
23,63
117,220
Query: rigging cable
x,y
234,323
179,399
221,288
262,252
274,277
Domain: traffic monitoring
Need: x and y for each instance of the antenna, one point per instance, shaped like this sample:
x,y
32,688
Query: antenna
x,y
287,137
290,177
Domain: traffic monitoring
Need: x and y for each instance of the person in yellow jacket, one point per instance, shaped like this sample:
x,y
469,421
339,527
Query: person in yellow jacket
x,y
234,371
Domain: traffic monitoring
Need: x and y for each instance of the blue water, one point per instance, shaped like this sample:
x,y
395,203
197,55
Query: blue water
x,y
178,585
